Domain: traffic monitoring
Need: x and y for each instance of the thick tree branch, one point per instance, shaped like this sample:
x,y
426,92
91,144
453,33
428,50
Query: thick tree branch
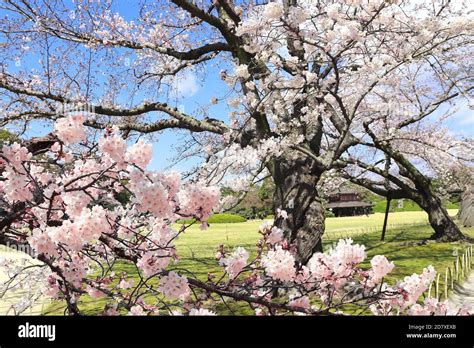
x,y
181,120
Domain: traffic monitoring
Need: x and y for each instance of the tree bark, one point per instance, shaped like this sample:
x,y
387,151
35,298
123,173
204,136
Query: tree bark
x,y
443,225
466,208
296,193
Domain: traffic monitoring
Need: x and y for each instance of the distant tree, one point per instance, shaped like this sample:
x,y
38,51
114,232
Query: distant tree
x,y
7,137
432,150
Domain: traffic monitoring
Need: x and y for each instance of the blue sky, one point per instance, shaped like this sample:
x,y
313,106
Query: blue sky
x,y
194,92
463,120
191,92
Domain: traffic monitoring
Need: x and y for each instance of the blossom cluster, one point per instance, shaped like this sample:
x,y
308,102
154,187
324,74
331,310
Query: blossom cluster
x,y
235,262
77,222
76,214
71,129
279,264
71,223
174,286
199,201
17,187
380,268
152,263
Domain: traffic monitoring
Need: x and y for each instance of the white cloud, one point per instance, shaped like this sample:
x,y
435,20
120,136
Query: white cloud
x,y
466,120
184,85
464,115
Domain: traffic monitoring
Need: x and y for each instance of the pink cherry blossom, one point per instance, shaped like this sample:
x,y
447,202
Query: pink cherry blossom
x,y
94,292
113,146
70,129
174,286
276,235
153,262
279,264
380,268
201,312
137,311
273,10
139,153
124,284
235,262
315,99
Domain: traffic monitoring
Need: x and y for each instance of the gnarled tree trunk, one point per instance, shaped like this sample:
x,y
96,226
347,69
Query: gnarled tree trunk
x,y
466,209
296,193
443,225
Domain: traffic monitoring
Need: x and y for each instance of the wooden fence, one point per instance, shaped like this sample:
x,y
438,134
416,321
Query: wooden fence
x,y
354,232
445,281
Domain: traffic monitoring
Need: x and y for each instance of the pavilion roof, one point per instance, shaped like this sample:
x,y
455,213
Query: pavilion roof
x,y
348,204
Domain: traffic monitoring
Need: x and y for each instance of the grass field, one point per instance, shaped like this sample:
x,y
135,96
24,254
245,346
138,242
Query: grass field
x,y
202,245
404,245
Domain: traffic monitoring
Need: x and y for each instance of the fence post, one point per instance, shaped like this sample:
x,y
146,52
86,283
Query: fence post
x,y
451,279
469,251
456,265
469,256
468,262
437,287
446,284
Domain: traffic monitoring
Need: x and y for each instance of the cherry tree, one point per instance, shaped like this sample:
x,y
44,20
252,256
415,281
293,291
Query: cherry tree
x,y
399,165
62,200
406,128
303,78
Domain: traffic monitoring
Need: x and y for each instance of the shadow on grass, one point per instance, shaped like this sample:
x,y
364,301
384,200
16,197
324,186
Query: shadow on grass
x,y
408,258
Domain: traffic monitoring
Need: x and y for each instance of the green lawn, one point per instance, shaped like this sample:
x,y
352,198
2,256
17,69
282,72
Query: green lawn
x,y
201,246
403,245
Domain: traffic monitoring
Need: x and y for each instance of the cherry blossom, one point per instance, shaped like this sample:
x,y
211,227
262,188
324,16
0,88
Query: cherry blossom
x,y
279,264
242,71
380,268
276,235
113,146
235,262
152,263
315,91
70,129
273,11
140,154
174,286
201,312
